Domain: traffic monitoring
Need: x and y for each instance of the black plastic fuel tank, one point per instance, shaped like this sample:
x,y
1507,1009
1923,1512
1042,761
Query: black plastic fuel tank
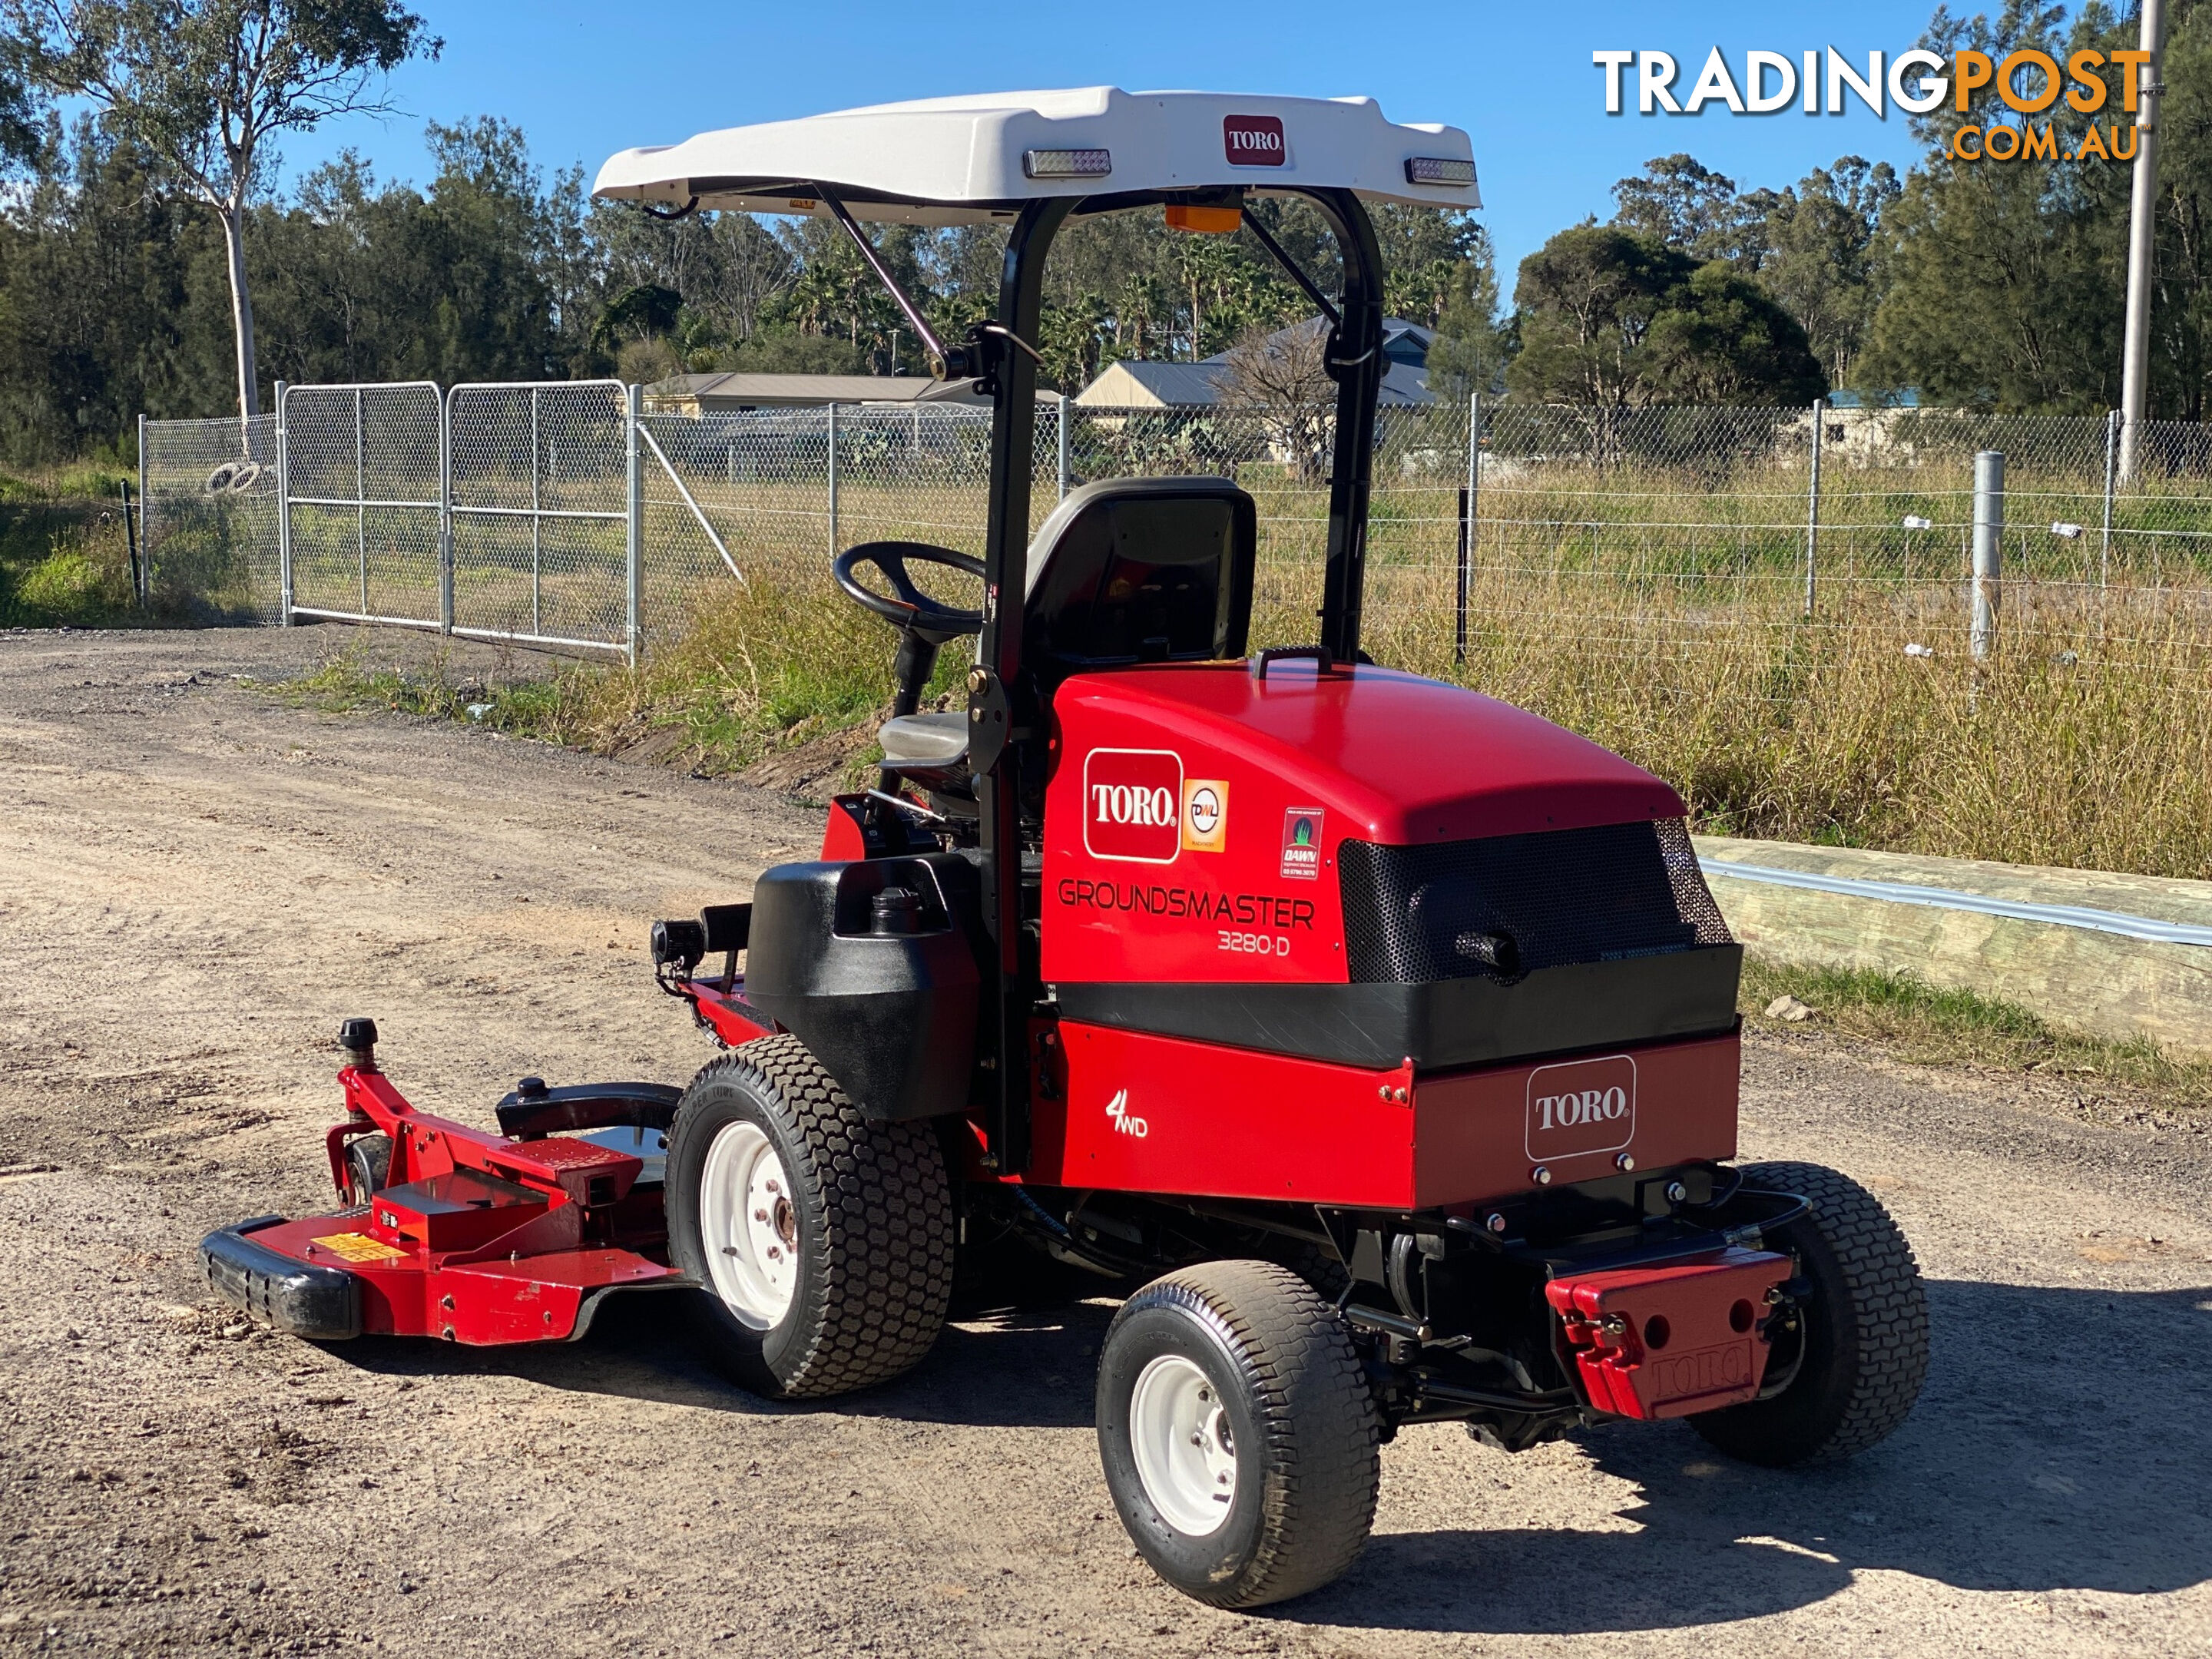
x,y
872,965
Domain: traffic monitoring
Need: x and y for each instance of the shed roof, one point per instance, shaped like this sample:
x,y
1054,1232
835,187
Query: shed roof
x,y
1142,385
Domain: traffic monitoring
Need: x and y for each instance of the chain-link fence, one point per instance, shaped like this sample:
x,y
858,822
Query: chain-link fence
x,y
1620,542
208,494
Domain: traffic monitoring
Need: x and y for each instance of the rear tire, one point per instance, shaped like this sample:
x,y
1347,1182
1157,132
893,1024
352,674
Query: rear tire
x,y
1864,1330
1238,1432
823,1241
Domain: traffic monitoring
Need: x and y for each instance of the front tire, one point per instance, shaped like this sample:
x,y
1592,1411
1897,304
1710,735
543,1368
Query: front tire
x,y
823,1241
1238,1432
367,1166
1861,1341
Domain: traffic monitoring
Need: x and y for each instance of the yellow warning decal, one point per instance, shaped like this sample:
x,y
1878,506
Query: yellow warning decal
x,y
359,1246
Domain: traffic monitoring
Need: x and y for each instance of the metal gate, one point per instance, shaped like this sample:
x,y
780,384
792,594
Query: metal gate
x,y
541,490
362,517
499,511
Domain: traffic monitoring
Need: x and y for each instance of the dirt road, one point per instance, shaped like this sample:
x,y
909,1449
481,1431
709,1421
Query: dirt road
x,y
196,883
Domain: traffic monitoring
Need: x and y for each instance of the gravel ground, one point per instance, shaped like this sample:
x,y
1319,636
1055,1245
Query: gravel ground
x,y
196,885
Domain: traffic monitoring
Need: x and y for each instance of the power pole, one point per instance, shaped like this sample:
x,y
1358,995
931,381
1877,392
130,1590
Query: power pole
x,y
2142,223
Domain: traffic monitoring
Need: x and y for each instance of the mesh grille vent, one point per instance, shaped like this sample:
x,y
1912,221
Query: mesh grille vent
x,y
1507,904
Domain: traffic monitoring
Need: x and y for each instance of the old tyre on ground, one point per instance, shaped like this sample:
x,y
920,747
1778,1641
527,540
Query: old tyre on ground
x,y
1238,1432
1859,1344
823,1240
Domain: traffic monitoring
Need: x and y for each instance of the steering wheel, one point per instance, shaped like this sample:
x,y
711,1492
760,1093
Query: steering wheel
x,y
907,606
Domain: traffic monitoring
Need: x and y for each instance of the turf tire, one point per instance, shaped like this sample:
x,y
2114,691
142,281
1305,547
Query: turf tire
x,y
1305,1426
1865,1329
874,1216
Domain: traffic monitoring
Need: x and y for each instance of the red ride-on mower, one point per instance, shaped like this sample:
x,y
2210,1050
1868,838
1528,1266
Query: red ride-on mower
x,y
1390,1032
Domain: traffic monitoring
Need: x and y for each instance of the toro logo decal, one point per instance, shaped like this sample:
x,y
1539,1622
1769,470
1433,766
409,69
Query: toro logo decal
x,y
1584,1106
1254,140
1301,827
1133,805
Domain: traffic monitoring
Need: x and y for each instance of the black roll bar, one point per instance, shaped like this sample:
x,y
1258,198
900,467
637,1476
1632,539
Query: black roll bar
x,y
1355,362
1002,714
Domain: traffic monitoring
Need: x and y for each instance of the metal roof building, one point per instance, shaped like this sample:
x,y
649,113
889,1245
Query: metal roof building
x,y
1197,385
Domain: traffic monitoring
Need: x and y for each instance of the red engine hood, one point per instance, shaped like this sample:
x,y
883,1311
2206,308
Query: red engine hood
x,y
1406,760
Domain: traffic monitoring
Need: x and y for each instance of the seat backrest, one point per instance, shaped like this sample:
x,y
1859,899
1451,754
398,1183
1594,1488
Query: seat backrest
x,y
1136,570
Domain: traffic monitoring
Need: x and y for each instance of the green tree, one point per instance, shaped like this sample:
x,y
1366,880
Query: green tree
x,y
1470,349
1610,318
1681,203
2004,281
1823,256
206,88
96,274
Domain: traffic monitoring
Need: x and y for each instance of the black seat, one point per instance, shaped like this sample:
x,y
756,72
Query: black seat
x,y
1127,571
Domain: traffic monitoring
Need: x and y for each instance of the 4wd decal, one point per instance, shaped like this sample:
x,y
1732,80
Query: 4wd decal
x,y
1584,1106
1205,815
1302,828
1125,1121
1133,805
1254,140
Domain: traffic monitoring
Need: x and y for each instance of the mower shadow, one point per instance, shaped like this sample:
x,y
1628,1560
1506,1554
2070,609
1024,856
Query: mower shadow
x,y
2059,1445
1004,1368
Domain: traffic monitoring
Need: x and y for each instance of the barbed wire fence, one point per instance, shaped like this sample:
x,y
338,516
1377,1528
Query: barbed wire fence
x,y
1645,542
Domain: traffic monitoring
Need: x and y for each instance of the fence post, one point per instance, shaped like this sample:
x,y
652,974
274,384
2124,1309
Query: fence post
x,y
1812,512
145,572
2112,465
130,538
1467,509
445,515
831,427
635,517
536,525
1063,445
361,509
1988,541
283,507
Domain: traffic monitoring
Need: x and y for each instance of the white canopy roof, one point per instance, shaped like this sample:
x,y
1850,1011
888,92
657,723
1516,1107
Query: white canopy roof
x,y
971,160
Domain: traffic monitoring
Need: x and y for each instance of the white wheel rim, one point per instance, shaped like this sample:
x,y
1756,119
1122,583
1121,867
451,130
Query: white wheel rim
x,y
1185,1451
749,1225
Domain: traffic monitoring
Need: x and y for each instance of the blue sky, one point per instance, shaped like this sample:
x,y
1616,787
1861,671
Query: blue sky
x,y
584,80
